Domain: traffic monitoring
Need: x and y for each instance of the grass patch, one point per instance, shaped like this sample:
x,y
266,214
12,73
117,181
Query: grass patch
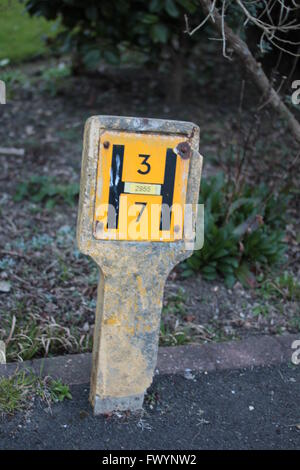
x,y
177,327
13,393
21,37
35,336
43,189
17,391
284,286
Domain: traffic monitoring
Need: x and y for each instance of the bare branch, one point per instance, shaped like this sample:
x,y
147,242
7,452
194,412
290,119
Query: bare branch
x,y
269,30
223,32
254,68
210,15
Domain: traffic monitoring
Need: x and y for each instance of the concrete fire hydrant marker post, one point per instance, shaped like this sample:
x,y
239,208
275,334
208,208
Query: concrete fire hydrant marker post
x,y
132,170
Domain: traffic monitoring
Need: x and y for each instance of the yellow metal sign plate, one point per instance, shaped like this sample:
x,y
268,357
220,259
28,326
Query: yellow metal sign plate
x,y
141,187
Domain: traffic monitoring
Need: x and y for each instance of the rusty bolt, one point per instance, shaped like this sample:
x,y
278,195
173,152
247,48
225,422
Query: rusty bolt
x,y
184,150
106,144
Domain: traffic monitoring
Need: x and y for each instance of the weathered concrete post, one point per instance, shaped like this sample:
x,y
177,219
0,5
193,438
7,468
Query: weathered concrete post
x,y
132,169
2,93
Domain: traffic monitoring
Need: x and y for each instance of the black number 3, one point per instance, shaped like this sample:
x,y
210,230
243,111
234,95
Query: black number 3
x,y
145,162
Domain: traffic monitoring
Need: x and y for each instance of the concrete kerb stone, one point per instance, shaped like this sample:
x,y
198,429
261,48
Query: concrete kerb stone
x,y
250,352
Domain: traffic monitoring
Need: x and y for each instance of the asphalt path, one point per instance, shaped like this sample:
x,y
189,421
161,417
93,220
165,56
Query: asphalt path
x,y
254,408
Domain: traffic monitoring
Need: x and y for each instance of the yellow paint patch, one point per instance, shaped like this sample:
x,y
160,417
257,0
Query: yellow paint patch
x,y
112,321
139,180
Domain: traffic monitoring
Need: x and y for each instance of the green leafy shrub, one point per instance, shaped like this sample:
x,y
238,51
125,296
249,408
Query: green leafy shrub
x,y
13,79
243,231
54,77
115,32
98,28
44,189
59,391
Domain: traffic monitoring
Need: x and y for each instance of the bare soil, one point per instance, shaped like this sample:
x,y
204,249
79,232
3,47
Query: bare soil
x,y
47,303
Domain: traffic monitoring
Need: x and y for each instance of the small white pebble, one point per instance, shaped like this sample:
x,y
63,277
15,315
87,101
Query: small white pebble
x,y
251,408
188,374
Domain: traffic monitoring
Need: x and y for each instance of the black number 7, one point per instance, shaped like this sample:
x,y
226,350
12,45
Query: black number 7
x,y
145,162
143,204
